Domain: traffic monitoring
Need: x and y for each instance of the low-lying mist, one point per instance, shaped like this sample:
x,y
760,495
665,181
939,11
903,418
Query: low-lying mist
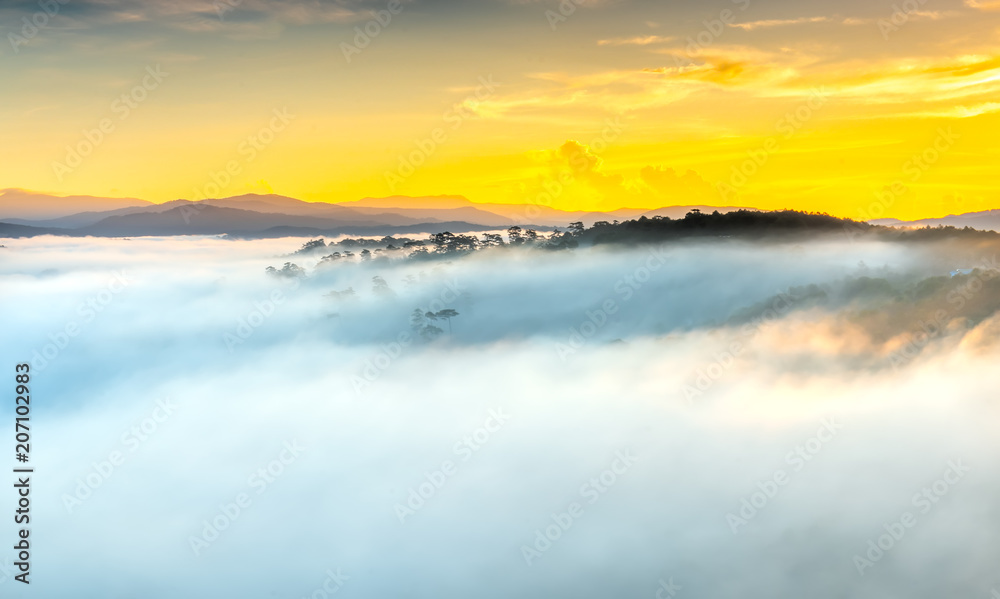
x,y
712,418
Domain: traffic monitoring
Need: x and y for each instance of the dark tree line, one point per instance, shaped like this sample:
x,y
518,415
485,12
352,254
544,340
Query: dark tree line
x,y
743,224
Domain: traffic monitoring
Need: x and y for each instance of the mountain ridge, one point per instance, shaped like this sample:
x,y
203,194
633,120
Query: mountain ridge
x,y
256,213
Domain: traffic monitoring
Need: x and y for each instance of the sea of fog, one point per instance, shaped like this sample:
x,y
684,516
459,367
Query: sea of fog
x,y
674,421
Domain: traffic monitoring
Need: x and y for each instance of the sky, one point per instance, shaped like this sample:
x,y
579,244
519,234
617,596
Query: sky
x,y
858,109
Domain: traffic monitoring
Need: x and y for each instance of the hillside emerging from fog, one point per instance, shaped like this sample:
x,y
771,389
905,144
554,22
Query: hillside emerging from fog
x,y
751,225
877,314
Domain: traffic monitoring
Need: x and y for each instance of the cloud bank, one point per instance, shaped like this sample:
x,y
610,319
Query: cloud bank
x,y
527,453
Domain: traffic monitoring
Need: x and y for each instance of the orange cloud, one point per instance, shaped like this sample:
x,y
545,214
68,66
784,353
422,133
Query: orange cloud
x,y
988,5
778,22
636,41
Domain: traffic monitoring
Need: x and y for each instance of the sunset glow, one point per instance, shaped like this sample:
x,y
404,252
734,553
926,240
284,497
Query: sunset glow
x,y
811,106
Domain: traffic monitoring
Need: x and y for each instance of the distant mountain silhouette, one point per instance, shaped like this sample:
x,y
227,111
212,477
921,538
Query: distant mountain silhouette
x,y
83,219
988,220
379,231
256,214
183,217
527,213
207,219
22,204
11,231
355,212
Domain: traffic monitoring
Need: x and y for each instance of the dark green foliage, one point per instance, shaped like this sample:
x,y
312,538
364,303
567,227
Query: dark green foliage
x,y
746,224
289,270
311,246
420,325
446,314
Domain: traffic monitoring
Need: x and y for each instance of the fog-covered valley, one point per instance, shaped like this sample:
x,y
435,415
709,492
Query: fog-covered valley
x,y
709,418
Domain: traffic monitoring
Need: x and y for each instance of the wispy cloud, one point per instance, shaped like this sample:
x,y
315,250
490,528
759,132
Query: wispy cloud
x,y
933,15
636,41
989,5
769,23
958,112
206,15
778,23
956,87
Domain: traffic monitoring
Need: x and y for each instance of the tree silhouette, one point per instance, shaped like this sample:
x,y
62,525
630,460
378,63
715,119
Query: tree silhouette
x,y
446,314
514,234
289,270
309,246
341,295
492,239
419,324
380,287
442,241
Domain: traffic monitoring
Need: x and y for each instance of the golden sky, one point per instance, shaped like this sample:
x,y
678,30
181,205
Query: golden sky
x,y
853,108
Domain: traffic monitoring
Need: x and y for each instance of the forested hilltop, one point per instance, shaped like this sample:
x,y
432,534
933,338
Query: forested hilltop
x,y
750,225
949,282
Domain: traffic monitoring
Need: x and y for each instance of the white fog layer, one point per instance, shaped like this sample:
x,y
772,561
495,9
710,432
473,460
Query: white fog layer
x,y
718,419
